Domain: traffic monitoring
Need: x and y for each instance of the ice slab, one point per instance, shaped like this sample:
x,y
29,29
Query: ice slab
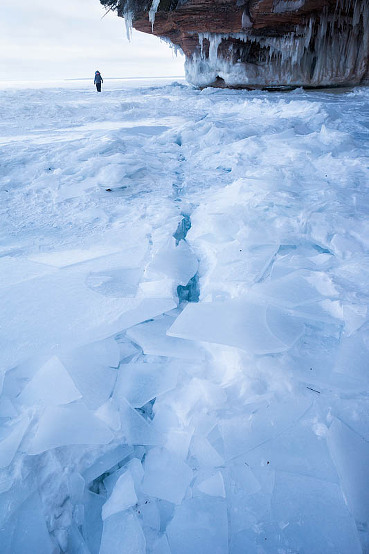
x,y
30,532
350,453
161,546
352,357
105,462
10,439
312,516
205,453
93,369
239,264
301,449
59,310
199,525
176,262
92,525
134,467
166,476
147,309
17,270
262,423
7,409
52,385
297,288
66,425
178,441
122,534
213,485
56,310
141,382
109,414
135,428
121,282
153,339
256,328
64,258
122,497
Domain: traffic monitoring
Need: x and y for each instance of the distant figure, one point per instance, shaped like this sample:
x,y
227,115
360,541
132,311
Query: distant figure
x,y
98,80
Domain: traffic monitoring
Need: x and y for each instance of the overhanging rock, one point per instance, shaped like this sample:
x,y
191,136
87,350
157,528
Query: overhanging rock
x,y
260,43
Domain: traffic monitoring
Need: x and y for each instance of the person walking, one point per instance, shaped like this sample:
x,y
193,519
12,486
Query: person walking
x,y
98,80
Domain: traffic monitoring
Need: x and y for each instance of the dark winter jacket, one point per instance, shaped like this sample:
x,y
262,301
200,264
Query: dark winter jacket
x,y
98,78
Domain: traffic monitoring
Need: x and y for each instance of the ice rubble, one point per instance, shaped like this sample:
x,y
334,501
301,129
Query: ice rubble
x,y
134,420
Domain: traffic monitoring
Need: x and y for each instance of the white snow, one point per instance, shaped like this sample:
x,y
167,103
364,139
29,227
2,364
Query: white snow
x,y
184,326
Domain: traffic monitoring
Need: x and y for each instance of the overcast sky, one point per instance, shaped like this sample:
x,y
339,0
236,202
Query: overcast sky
x,y
61,39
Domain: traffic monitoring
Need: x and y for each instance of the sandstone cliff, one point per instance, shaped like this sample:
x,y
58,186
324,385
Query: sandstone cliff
x,y
261,43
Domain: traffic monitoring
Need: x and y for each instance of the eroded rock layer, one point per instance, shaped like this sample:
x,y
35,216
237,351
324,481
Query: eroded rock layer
x,y
260,43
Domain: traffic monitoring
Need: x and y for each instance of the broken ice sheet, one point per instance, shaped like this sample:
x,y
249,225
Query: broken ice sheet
x,y
199,525
122,534
166,476
312,516
253,327
350,453
140,382
260,424
301,449
29,533
153,339
67,425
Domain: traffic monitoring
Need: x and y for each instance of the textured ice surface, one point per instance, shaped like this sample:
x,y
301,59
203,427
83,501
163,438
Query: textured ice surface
x,y
184,357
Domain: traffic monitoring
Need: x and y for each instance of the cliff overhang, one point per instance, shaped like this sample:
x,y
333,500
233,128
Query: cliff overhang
x,y
260,43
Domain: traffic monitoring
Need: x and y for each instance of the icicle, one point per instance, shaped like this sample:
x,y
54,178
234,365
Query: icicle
x,y
152,12
201,42
245,22
128,18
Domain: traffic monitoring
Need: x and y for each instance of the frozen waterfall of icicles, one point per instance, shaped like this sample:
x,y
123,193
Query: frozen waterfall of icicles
x,y
331,50
184,321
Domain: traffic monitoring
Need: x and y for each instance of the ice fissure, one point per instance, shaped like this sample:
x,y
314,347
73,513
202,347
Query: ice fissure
x,y
259,43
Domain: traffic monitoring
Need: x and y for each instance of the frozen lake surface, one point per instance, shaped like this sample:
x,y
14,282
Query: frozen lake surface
x,y
184,327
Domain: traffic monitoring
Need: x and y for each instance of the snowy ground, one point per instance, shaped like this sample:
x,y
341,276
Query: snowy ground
x,y
184,321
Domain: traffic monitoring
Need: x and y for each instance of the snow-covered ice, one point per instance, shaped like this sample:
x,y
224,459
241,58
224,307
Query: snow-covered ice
x,y
184,326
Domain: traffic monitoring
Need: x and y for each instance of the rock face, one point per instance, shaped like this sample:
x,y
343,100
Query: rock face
x,y
261,43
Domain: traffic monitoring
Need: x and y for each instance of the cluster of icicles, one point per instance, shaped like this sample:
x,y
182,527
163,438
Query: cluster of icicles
x,y
332,52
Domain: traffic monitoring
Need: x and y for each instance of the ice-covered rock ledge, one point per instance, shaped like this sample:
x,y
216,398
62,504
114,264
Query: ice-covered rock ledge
x,y
260,43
